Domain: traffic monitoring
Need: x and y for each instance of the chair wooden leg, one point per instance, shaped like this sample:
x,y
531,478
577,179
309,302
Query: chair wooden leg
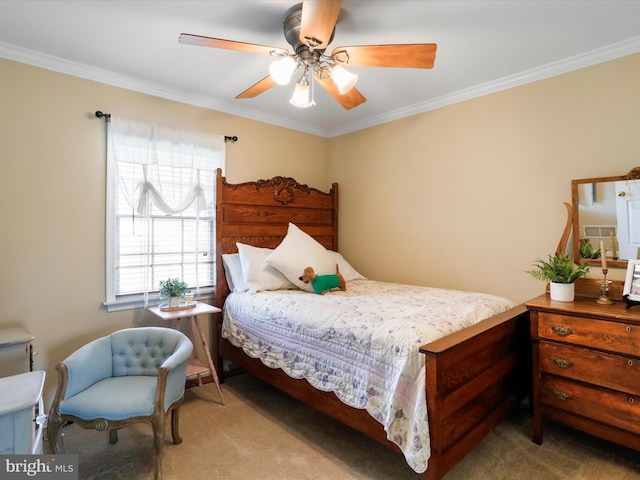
x,y
54,432
158,443
175,429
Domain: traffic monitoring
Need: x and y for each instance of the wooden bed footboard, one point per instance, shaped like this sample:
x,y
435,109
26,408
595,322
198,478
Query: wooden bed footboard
x,y
475,377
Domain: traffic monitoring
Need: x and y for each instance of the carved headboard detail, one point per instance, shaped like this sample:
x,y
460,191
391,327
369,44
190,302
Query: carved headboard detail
x,y
285,187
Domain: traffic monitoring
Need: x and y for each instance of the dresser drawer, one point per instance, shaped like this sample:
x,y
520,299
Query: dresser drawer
x,y
17,431
608,335
604,369
605,406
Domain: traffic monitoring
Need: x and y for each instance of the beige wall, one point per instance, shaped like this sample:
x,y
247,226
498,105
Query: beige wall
x,y
468,196
465,197
52,196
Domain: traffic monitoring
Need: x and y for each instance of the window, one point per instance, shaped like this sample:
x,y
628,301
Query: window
x,y
160,210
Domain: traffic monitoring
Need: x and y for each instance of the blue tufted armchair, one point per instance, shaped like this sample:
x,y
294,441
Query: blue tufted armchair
x,y
131,376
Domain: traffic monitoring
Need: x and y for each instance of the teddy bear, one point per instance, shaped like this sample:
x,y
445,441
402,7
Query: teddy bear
x,y
323,283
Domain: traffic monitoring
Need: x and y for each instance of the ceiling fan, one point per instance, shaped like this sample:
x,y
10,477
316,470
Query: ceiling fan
x,y
309,28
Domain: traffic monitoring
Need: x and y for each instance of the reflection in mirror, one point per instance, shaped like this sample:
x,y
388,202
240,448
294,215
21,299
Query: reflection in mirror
x,y
606,215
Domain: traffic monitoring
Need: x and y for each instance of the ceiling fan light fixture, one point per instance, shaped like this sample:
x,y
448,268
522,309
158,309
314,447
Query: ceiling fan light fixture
x,y
301,97
282,69
343,79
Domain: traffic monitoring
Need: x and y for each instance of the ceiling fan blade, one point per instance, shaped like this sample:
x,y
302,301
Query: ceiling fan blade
x,y
413,55
348,100
319,18
256,89
198,40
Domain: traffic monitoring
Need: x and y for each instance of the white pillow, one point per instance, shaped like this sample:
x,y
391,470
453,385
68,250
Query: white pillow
x,y
348,272
233,272
298,251
258,275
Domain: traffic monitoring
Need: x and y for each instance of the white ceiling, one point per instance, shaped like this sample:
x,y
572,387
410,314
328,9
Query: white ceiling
x,y
483,46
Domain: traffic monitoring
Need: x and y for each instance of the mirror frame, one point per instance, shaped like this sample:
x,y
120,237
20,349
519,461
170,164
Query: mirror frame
x,y
634,174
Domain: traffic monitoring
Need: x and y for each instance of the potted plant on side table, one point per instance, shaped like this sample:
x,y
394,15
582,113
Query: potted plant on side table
x,y
560,272
172,290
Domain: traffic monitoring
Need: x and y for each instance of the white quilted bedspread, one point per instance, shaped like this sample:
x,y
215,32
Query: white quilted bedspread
x,y
361,344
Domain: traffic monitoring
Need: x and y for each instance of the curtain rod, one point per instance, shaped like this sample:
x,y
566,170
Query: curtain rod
x,y
107,118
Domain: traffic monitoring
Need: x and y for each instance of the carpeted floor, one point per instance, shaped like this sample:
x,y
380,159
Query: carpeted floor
x,y
263,434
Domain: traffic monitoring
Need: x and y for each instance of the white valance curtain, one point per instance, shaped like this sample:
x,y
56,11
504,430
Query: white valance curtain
x,y
155,171
162,165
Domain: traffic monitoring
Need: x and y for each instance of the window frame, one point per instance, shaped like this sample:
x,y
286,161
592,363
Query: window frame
x,y
113,301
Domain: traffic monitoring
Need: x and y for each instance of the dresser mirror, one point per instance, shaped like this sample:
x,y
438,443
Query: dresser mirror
x,y
606,211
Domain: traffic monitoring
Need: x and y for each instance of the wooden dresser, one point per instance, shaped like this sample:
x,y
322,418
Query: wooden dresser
x,y
586,367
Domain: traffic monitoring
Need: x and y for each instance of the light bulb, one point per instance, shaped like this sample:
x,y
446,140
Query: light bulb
x,y
300,97
344,80
281,70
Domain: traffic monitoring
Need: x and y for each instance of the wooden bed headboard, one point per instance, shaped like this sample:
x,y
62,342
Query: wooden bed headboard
x,y
258,213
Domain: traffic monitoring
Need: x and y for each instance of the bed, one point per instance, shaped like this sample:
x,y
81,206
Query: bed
x,y
472,377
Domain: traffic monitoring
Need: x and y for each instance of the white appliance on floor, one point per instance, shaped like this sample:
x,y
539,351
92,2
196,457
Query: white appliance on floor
x,y
22,415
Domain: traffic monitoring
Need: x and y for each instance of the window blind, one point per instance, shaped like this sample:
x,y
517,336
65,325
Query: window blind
x,y
162,209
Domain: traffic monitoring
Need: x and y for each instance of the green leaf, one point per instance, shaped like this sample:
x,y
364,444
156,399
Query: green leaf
x,y
173,287
558,269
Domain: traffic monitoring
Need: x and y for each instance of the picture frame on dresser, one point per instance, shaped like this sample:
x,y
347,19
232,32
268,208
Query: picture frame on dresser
x,y
631,288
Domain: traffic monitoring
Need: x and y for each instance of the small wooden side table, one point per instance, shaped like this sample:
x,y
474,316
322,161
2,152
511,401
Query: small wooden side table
x,y
195,369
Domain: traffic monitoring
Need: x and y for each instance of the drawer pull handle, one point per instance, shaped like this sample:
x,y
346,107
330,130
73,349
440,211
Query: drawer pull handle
x,y
628,328
631,400
561,394
563,362
630,363
561,330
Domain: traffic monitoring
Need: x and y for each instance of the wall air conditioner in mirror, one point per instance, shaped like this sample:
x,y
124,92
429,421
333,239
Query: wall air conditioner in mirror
x,y
599,231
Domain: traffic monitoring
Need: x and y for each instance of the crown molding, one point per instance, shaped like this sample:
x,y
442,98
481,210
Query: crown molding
x,y
566,65
57,64
88,72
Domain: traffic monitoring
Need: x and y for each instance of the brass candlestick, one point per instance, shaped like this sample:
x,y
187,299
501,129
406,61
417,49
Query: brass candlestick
x,y
604,299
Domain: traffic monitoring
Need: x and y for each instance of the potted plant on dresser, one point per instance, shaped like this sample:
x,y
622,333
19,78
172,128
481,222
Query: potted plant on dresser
x,y
172,290
560,272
